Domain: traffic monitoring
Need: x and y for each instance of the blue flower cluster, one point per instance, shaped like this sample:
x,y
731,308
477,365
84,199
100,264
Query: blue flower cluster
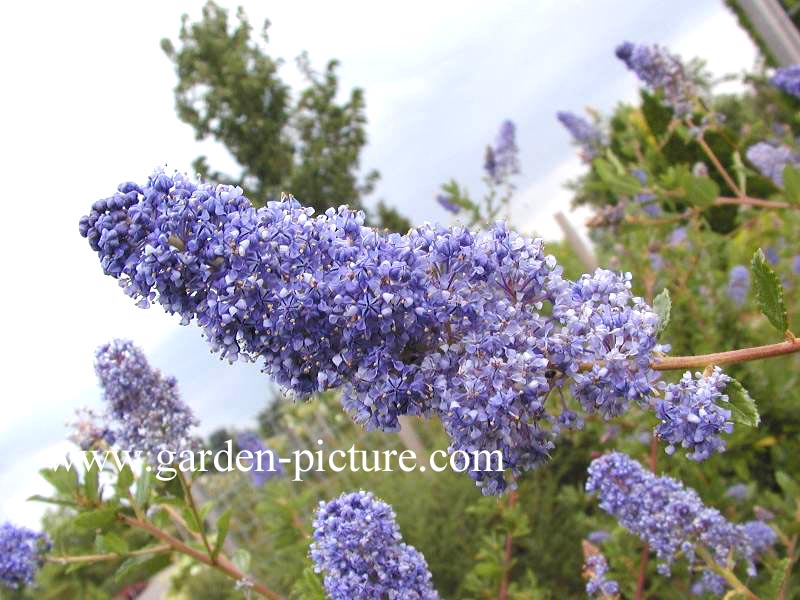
x,y
358,548
660,71
585,134
144,408
738,284
270,465
21,554
691,416
787,79
440,321
771,159
446,202
599,585
604,325
671,518
502,159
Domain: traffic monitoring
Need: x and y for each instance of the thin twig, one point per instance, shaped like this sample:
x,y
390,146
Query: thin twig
x,y
63,560
718,166
700,361
221,564
502,593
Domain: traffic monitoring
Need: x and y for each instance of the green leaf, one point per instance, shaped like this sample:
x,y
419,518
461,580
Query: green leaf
x,y
191,520
60,502
223,523
743,407
700,191
139,568
124,480
111,543
241,559
787,484
778,575
309,587
662,304
741,172
791,183
769,292
143,487
96,519
65,481
91,483
618,183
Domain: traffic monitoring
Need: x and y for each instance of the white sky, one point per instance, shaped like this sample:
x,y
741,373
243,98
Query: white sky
x,y
87,103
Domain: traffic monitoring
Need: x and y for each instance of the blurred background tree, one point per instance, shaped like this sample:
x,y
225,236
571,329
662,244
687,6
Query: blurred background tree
x,y
308,144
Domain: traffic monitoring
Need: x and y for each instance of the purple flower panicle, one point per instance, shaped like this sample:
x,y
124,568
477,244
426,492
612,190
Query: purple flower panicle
x,y
441,321
270,465
771,160
21,555
588,137
787,79
359,549
660,71
502,159
599,585
669,517
144,408
692,414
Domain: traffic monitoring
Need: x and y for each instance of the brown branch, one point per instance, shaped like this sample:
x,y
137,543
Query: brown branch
x,y
63,560
221,564
748,201
700,361
641,580
502,593
718,166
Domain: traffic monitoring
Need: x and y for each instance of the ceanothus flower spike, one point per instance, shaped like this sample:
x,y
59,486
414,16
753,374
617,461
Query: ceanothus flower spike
x,y
21,554
441,321
671,518
359,550
692,414
144,410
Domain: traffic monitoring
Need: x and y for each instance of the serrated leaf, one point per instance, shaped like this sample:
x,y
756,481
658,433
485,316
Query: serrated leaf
x,y
743,407
787,484
111,543
190,519
63,480
91,483
58,501
777,577
241,558
96,519
769,292
618,183
700,191
223,523
791,183
124,480
662,305
143,487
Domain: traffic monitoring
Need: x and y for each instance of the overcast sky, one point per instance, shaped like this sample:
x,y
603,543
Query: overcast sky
x,y
87,103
